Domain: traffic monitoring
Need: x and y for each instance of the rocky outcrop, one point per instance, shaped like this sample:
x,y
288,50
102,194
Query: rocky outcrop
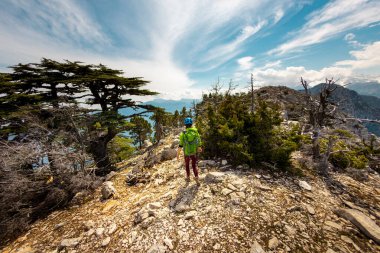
x,y
364,223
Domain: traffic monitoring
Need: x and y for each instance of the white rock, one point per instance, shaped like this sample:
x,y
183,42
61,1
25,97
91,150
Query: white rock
x,y
310,209
156,248
70,243
205,163
108,190
304,185
106,241
256,248
112,228
90,232
273,243
224,162
99,232
214,177
155,205
226,191
110,175
169,243
190,215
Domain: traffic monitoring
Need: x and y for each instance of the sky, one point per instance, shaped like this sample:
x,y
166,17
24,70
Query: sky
x,y
184,46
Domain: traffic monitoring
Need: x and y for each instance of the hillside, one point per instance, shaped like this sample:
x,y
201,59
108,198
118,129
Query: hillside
x,y
233,210
356,105
369,89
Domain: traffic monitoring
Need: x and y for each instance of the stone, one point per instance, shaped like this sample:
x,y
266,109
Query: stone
x,y
190,215
168,154
58,226
155,205
110,175
99,232
88,225
214,177
90,232
169,243
79,198
350,241
241,194
106,241
226,191
70,243
108,190
224,162
231,187
330,251
256,248
157,248
112,228
181,207
146,223
140,216
290,230
333,225
206,163
273,243
310,209
361,221
257,176
175,143
304,185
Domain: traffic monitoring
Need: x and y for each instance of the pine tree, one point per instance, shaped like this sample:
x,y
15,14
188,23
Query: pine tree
x,y
140,131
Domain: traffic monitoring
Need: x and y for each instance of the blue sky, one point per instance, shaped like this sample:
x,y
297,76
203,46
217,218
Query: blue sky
x,y
183,46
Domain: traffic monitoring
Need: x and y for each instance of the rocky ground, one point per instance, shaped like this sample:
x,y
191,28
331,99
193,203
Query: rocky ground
x,y
235,210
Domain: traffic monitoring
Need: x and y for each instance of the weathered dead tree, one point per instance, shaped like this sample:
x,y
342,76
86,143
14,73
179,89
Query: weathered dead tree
x,y
320,110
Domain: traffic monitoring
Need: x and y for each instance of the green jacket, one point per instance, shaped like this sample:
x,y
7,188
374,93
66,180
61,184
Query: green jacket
x,y
190,140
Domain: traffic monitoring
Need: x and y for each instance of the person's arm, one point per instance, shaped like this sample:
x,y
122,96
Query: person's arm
x,y
180,145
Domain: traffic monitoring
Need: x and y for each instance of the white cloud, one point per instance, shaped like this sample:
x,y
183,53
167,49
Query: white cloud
x,y
335,18
362,68
349,37
245,62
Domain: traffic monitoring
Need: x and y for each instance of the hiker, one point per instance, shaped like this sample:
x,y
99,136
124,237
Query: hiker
x,y
191,143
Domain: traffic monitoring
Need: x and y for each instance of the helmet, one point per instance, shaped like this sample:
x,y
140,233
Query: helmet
x,y
188,121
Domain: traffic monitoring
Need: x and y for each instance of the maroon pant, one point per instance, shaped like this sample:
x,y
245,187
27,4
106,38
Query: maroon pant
x,y
193,163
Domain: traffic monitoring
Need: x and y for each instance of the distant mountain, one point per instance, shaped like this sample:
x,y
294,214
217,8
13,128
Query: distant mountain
x,y
172,105
370,88
168,105
359,106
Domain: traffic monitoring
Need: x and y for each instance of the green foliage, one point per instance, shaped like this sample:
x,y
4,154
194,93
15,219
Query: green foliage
x,y
140,131
120,148
231,132
345,153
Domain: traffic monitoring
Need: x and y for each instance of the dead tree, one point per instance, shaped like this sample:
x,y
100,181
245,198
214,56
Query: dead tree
x,y
320,109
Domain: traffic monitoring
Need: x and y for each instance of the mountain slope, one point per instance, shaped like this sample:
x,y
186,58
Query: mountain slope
x,y
232,211
369,89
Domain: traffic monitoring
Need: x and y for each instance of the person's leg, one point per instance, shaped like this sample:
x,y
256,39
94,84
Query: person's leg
x,y
194,165
187,166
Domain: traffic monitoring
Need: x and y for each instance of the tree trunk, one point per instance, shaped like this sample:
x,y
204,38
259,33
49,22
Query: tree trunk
x,y
98,149
315,142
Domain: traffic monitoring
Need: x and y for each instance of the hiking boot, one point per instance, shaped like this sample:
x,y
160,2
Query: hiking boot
x,y
197,181
187,180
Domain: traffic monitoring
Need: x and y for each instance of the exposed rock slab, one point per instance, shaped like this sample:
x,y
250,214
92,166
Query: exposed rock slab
x,y
363,222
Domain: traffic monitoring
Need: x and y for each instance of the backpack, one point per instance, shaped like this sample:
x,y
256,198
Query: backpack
x,y
191,141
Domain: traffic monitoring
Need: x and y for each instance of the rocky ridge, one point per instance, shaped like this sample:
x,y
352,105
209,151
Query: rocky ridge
x,y
233,210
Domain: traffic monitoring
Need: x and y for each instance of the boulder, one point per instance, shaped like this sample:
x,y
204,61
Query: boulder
x,y
108,190
214,177
206,163
168,154
363,222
